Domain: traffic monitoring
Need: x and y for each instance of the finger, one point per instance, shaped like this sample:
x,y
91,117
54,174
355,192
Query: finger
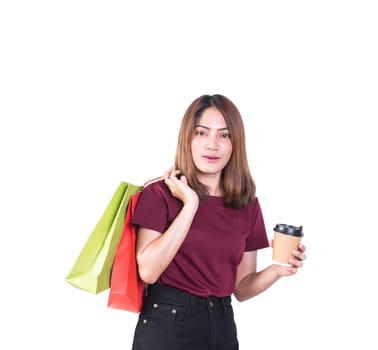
x,y
299,254
184,180
174,173
168,171
296,263
158,178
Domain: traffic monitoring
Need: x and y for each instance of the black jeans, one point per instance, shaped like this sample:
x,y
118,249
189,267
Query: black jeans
x,y
172,319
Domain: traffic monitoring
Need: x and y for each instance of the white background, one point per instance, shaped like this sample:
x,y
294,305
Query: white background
x,y
93,92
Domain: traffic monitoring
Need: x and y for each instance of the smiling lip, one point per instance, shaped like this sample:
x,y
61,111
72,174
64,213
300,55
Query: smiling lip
x,y
211,158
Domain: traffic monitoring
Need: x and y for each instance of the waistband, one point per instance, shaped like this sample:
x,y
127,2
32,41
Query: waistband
x,y
178,296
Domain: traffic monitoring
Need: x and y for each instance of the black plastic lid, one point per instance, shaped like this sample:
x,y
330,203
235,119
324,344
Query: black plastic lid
x,y
289,229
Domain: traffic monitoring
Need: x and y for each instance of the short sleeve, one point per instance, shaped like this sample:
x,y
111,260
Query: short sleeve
x,y
258,237
151,210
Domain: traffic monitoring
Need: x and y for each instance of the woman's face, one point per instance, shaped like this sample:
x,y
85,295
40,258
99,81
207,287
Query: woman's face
x,y
211,144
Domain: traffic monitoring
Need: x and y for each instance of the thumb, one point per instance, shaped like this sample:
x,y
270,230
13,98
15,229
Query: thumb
x,y
183,179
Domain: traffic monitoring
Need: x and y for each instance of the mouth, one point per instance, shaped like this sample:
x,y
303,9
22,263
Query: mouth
x,y
211,158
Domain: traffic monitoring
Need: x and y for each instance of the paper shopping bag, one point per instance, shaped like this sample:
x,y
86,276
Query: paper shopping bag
x,y
126,287
92,269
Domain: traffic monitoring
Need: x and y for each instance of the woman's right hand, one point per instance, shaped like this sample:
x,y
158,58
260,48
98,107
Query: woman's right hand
x,y
179,187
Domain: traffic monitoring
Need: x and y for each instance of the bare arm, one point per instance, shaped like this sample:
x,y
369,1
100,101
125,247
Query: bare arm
x,y
154,250
250,283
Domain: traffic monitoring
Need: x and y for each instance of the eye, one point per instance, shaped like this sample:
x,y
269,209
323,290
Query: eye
x,y
225,135
199,132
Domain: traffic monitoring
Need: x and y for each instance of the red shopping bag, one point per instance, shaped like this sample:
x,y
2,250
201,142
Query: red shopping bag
x,y
126,287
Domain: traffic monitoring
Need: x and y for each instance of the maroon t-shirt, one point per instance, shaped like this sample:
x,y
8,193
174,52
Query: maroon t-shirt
x,y
207,261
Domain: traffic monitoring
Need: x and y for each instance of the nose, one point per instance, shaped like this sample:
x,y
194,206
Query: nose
x,y
212,143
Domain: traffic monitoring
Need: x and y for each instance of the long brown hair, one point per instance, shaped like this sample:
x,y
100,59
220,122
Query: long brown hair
x,y
237,182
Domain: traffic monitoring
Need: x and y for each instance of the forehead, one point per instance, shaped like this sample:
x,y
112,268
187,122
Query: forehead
x,y
212,118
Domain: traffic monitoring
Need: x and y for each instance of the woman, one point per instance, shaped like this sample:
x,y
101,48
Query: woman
x,y
199,230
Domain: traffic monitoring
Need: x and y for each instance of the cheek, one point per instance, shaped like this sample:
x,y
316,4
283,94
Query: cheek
x,y
194,147
227,148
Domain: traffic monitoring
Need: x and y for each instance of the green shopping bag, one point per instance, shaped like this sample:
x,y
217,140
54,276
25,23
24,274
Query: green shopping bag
x,y
92,269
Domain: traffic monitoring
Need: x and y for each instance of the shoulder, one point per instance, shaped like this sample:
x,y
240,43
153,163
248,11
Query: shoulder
x,y
253,205
158,188
157,203
253,209
159,192
256,205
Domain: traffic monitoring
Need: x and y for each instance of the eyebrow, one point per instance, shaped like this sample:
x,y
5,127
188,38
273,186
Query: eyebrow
x,y
206,127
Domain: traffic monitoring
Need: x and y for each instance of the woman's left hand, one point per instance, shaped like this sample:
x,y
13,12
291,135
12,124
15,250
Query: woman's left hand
x,y
296,262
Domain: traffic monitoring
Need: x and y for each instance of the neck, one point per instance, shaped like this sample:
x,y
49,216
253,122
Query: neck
x,y
212,183
215,192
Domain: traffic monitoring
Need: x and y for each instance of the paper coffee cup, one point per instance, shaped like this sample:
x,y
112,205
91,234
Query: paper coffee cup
x,y
286,239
